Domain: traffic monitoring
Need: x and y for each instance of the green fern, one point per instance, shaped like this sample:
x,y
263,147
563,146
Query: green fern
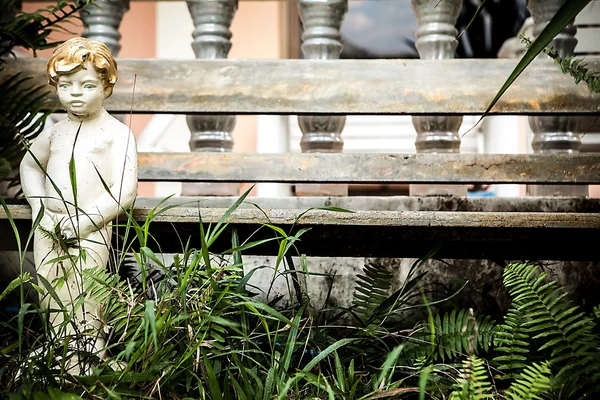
x,y
455,334
371,291
373,306
577,68
473,382
596,311
32,30
463,332
533,381
563,330
511,339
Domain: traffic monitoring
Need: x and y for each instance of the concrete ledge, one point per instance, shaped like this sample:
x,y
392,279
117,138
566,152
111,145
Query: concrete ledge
x,y
396,203
472,234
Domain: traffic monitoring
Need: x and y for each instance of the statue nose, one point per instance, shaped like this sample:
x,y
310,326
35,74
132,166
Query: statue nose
x,y
76,90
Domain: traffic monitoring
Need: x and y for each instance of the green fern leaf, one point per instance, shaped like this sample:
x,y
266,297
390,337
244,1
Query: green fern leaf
x,y
473,382
371,291
563,330
532,382
597,312
459,333
511,339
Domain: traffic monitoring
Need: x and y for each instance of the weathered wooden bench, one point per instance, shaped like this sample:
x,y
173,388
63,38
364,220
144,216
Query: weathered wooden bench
x,y
524,228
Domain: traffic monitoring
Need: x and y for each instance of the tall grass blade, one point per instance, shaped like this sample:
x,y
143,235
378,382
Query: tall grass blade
x,y
150,321
423,379
213,384
475,15
563,17
331,348
235,244
269,383
290,345
15,283
11,221
388,368
213,234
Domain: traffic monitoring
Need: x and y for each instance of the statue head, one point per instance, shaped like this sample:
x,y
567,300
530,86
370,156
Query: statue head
x,y
78,53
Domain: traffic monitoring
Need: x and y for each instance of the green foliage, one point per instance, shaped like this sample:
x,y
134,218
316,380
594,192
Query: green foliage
x,y
191,328
575,67
459,333
32,30
512,340
556,329
531,383
559,21
473,381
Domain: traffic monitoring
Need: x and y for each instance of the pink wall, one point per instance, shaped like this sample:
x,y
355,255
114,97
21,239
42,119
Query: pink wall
x,y
254,39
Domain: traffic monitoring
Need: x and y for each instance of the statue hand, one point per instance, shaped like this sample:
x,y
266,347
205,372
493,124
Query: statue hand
x,y
48,221
67,229
85,228
81,228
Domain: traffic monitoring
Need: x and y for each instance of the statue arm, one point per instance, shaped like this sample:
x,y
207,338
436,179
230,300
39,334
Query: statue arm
x,y
125,172
32,176
122,190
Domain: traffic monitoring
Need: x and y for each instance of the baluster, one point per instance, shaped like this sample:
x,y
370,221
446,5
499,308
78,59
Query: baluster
x,y
101,21
436,39
555,133
211,133
322,40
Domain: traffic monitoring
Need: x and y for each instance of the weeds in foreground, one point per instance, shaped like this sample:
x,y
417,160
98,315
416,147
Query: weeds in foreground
x,y
194,328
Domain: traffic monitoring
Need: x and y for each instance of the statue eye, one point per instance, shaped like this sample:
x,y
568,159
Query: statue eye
x,y
88,86
63,86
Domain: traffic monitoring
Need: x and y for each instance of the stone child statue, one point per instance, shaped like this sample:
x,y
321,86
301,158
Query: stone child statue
x,y
104,153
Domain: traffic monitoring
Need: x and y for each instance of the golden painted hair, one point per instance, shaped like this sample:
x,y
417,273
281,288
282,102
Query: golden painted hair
x,y
72,55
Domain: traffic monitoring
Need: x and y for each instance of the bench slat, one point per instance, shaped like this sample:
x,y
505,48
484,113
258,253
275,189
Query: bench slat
x,y
370,168
494,235
284,217
340,87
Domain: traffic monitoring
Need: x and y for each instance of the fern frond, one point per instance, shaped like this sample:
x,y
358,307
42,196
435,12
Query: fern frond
x,y
597,312
511,339
532,382
473,382
577,68
372,290
565,331
31,30
456,334
463,333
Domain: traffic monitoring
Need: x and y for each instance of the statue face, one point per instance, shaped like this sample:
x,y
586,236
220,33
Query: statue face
x,y
81,93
